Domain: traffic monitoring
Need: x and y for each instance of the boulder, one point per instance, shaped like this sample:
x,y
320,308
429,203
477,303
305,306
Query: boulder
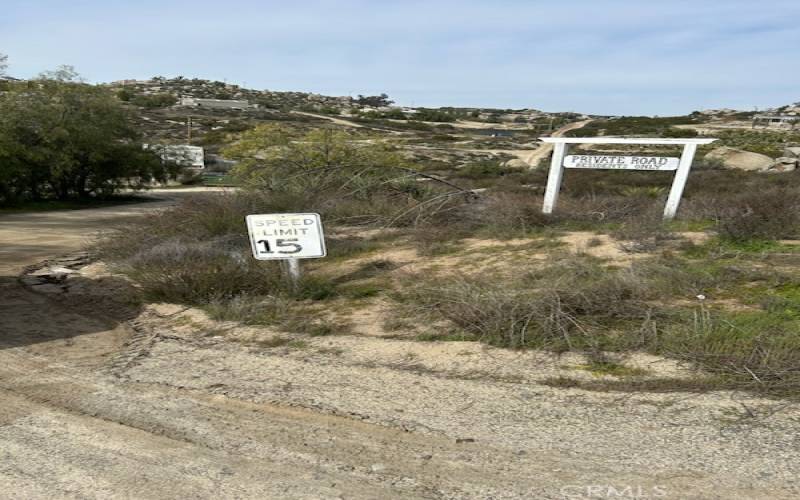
x,y
784,164
792,152
516,163
742,160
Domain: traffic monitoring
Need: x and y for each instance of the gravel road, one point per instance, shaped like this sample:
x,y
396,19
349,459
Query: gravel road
x,y
99,399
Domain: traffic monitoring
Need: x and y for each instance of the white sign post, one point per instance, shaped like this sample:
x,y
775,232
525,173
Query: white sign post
x,y
561,160
289,237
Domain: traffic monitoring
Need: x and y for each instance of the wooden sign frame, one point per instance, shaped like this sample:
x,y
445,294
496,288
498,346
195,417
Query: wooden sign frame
x,y
561,147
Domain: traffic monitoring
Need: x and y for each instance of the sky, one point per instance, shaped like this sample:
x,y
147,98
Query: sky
x,y
632,57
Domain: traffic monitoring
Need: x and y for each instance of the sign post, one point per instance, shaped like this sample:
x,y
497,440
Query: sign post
x,y
288,237
680,180
294,270
560,161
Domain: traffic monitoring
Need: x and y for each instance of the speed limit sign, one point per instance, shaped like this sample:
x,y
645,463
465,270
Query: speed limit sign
x,y
286,236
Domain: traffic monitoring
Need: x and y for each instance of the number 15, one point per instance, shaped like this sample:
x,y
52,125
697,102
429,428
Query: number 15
x,y
281,243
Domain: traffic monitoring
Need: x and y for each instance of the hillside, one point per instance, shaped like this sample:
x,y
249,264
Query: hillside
x,y
448,138
443,138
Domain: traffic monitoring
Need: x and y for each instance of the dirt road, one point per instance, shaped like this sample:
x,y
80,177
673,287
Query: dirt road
x,y
102,398
544,150
31,237
332,119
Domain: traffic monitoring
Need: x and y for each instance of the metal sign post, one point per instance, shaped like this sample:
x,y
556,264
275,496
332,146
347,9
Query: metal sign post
x,y
294,270
606,162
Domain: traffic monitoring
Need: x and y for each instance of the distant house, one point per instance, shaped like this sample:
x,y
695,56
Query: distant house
x,y
776,121
196,102
182,154
130,81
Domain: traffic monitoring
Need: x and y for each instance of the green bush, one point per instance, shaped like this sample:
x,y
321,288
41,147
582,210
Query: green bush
x,y
153,100
196,272
198,251
66,139
765,142
756,350
579,304
483,169
764,215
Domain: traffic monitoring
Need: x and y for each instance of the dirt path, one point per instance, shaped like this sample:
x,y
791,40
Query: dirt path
x,y
332,119
529,156
544,150
100,398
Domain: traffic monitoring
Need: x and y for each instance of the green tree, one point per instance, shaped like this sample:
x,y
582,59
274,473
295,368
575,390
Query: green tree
x,y
376,101
326,170
62,138
125,95
64,73
321,160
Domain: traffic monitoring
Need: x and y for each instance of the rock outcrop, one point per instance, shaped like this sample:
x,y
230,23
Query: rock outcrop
x,y
516,163
742,160
792,152
784,164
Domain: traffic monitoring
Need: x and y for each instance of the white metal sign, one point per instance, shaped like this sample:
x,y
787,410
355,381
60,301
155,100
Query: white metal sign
x,y
621,162
286,236
561,146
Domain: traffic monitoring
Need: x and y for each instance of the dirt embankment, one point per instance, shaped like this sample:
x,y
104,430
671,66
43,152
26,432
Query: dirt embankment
x,y
102,398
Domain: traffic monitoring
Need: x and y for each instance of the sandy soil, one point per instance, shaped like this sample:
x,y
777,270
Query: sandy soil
x,y
103,399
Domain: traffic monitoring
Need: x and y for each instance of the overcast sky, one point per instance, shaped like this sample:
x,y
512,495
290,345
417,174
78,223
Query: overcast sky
x,y
596,56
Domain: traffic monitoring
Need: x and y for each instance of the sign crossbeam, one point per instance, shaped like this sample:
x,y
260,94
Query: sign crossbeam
x,y
562,160
626,140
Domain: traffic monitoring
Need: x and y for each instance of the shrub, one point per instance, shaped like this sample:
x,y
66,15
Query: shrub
x,y
483,169
679,132
578,304
766,215
557,308
756,350
512,212
190,177
198,251
196,272
643,232
758,141
154,100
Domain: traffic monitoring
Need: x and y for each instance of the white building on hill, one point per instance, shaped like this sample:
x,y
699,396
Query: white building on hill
x,y
196,102
182,154
776,121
